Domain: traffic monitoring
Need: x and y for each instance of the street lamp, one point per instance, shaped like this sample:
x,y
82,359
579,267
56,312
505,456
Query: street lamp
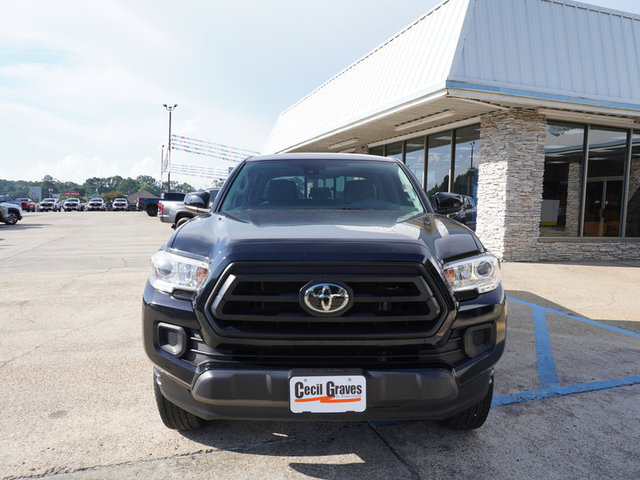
x,y
170,109
161,165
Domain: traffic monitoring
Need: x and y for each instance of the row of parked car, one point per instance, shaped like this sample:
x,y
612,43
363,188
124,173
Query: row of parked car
x,y
74,204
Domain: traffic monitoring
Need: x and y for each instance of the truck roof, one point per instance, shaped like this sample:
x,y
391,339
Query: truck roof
x,y
321,156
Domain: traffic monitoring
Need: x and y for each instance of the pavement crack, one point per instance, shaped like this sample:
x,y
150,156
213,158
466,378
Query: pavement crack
x,y
54,471
22,355
411,468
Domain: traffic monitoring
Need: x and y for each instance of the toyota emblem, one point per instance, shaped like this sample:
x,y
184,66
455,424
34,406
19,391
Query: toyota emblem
x,y
326,298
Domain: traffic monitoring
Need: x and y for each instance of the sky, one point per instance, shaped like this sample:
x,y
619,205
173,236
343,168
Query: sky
x,y
82,83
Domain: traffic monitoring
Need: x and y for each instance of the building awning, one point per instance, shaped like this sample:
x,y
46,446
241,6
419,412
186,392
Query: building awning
x,y
465,58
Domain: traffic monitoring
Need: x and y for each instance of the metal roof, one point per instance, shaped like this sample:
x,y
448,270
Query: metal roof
x,y
548,53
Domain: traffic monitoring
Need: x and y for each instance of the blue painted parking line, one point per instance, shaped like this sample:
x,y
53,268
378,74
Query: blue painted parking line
x,y
559,391
577,317
547,372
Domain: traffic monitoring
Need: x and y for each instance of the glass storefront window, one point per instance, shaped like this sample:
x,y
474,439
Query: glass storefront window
x,y
633,199
465,170
395,150
605,182
377,150
562,184
438,162
414,157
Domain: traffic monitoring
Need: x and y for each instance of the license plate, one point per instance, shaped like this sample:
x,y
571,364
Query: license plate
x,y
328,394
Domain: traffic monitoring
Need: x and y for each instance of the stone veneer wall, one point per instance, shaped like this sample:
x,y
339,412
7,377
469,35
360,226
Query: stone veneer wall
x,y
362,149
511,170
605,250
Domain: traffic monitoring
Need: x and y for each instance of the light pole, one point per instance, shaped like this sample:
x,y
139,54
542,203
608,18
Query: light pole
x,y
161,163
170,109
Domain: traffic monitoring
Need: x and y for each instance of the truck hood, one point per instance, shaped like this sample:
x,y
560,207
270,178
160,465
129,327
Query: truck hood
x,y
357,235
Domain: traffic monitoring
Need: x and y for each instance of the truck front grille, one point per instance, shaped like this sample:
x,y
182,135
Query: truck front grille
x,y
263,301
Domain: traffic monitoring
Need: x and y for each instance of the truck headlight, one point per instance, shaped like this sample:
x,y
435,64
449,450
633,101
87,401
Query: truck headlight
x,y
481,273
169,271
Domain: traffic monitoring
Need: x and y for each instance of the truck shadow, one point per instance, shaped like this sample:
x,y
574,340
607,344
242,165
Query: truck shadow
x,y
22,226
330,451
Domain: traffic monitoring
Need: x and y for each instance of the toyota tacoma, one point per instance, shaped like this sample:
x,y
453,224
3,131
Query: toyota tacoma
x,y
324,287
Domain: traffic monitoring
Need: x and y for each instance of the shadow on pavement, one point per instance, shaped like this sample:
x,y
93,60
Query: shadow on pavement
x,y
335,451
22,226
543,302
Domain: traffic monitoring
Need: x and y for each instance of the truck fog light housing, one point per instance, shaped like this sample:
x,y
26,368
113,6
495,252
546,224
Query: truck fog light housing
x,y
478,339
172,339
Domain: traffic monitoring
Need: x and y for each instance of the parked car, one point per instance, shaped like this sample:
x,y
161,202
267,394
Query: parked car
x,y
26,204
10,213
72,204
150,205
120,204
9,199
96,204
324,287
49,205
176,212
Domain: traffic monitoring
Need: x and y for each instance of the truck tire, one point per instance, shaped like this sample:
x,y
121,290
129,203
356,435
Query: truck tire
x,y
182,221
473,417
173,416
152,210
12,218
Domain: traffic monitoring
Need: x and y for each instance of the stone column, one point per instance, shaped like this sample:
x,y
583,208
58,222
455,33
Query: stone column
x,y
573,199
511,170
362,149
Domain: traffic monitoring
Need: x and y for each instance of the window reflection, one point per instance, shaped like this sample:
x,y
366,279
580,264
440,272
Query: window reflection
x,y
465,171
605,179
562,184
394,150
414,158
377,150
633,199
438,163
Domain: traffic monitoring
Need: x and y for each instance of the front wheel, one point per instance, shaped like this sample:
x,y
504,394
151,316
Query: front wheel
x,y
473,417
182,221
173,416
12,218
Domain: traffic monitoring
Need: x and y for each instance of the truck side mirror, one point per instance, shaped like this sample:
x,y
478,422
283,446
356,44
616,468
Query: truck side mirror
x,y
446,203
197,202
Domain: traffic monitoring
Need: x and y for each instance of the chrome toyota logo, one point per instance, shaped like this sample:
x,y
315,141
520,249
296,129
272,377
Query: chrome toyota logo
x,y
326,298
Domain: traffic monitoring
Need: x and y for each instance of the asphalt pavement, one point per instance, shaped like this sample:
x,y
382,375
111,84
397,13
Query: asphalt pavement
x,y
77,402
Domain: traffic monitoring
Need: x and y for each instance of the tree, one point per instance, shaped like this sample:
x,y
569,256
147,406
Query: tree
x,y
109,197
111,183
92,185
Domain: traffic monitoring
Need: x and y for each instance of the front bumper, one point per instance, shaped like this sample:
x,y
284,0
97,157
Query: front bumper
x,y
263,394
214,389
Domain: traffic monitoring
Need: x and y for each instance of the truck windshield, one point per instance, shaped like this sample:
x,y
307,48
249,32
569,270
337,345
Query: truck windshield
x,y
329,185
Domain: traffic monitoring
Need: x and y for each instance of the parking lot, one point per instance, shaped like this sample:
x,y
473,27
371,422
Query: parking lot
x,y
77,402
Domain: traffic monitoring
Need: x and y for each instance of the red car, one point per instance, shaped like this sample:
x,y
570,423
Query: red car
x,y
27,204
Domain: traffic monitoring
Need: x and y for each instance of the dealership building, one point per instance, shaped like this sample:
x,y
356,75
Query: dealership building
x,y
531,107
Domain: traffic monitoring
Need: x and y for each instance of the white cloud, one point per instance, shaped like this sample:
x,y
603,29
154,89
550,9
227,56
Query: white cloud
x,y
146,166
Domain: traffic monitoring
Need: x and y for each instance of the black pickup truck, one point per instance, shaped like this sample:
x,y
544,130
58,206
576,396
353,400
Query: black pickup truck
x,y
150,205
324,287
